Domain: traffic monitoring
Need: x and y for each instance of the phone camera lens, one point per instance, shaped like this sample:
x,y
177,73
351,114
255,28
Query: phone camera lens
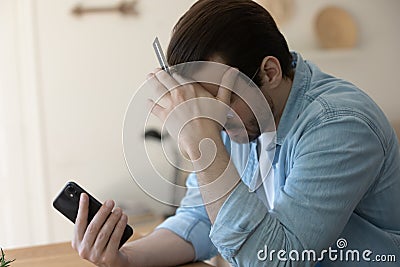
x,y
70,190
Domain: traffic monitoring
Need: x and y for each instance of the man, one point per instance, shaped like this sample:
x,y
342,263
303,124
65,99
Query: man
x,y
335,173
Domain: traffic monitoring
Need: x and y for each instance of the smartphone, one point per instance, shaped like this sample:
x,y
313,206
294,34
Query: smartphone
x,y
160,55
67,203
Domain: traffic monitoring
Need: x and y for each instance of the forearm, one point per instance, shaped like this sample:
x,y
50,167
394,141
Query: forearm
x,y
160,248
216,180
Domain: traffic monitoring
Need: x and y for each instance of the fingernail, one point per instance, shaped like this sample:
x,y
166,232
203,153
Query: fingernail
x,y
109,203
82,198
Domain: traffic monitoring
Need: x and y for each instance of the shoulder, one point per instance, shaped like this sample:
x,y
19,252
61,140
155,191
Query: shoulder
x,y
344,108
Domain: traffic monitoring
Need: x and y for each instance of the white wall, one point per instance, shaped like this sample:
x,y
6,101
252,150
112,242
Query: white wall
x,y
82,73
86,71
373,64
90,68
24,217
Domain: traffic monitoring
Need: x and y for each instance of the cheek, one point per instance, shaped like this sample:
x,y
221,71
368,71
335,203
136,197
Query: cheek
x,y
241,114
242,110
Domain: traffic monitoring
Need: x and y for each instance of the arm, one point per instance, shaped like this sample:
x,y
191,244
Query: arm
x,y
98,242
191,222
161,248
193,117
218,179
335,163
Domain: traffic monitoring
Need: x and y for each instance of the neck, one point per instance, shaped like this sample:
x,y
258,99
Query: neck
x,y
278,97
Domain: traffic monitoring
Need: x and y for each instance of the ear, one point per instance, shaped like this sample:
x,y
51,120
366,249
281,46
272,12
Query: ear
x,y
271,71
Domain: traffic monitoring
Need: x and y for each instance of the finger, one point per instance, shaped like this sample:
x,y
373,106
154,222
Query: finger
x,y
106,230
167,80
157,70
227,85
82,217
115,239
197,89
95,225
156,109
158,87
181,80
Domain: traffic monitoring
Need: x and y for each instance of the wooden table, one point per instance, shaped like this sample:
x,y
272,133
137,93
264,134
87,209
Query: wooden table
x,y
55,255
62,254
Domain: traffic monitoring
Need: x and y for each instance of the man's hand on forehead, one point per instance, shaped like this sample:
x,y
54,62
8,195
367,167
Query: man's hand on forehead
x,y
188,110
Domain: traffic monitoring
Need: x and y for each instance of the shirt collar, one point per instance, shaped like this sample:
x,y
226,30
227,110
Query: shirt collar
x,y
294,103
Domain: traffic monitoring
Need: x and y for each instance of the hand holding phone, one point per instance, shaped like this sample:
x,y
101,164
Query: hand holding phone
x,y
68,203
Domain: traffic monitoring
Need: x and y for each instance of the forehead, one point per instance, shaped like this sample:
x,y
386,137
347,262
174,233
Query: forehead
x,y
210,74
207,73
213,88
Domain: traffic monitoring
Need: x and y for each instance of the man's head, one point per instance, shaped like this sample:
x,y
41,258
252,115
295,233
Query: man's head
x,y
238,33
241,32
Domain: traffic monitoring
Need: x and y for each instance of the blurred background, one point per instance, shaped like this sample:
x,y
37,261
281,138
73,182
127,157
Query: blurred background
x,y
67,75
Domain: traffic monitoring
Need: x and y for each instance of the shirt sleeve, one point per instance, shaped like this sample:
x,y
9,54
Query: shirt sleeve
x,y
191,222
334,163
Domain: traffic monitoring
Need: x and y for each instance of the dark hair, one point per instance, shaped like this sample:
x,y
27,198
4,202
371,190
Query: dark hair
x,y
241,32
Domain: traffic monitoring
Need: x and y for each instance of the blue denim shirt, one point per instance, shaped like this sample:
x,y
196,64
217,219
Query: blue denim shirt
x,y
337,174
